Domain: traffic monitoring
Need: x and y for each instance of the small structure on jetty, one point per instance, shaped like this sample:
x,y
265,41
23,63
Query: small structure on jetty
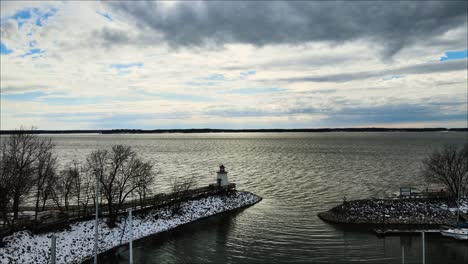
x,y
221,177
430,192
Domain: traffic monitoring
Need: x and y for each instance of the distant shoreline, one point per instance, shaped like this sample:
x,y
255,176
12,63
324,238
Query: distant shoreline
x,y
209,130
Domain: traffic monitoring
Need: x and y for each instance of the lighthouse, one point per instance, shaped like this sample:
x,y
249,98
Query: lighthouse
x,y
221,177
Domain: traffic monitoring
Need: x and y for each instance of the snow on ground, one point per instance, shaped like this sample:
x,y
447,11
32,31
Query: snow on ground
x,y
77,243
464,205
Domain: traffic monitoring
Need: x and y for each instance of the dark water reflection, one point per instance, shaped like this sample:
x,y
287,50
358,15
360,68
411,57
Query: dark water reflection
x,y
298,175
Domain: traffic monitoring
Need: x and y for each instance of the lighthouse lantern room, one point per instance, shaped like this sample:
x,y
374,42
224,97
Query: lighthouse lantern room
x,y
221,177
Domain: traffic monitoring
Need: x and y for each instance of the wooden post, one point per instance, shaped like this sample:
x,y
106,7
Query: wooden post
x,y
53,247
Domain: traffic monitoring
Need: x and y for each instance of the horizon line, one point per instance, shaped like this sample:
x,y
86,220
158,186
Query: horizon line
x,y
240,130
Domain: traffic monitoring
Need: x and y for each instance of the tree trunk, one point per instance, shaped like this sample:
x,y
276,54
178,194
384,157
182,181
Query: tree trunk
x,y
112,215
78,204
44,202
36,209
66,202
16,202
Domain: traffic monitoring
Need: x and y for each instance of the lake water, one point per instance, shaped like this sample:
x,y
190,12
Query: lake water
x,y
298,175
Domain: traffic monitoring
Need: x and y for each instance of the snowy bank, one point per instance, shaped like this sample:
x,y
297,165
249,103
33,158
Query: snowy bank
x,y
77,243
392,211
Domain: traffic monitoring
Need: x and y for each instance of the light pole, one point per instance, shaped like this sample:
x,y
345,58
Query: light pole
x,y
458,198
130,260
96,232
423,248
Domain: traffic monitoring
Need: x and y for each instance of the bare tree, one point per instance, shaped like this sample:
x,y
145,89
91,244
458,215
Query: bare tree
x,y
21,152
87,184
117,171
448,166
96,165
5,190
64,187
179,189
45,174
48,190
77,182
179,185
144,180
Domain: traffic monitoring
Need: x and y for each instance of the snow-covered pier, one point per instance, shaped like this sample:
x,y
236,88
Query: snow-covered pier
x,y
76,243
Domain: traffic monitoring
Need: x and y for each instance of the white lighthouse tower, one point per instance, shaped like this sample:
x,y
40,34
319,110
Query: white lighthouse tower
x,y
221,177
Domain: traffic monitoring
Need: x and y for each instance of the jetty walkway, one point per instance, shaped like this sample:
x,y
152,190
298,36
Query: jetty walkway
x,y
52,217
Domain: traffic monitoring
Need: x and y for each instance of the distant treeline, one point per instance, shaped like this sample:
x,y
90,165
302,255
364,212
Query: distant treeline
x,y
209,130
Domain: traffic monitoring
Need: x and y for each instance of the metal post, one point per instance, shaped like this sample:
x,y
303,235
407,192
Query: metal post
x,y
402,255
131,236
458,199
53,245
423,249
96,232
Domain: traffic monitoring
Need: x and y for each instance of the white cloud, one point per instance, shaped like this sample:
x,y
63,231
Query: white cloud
x,y
75,66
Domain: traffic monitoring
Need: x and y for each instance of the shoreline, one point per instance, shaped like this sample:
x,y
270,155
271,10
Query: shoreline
x,y
253,130
401,213
75,245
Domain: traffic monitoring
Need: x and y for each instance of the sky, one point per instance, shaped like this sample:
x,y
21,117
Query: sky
x,y
233,65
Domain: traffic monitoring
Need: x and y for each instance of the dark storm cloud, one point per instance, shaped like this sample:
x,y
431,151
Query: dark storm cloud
x,y
392,24
425,68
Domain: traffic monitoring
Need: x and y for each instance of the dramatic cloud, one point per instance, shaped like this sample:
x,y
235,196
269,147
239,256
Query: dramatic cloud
x,y
393,24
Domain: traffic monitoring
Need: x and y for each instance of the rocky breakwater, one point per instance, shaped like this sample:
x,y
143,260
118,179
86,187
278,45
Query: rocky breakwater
x,y
392,211
76,243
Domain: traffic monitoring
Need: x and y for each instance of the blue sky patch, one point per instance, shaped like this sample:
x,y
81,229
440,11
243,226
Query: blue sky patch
x,y
44,16
33,52
256,90
72,100
455,55
247,73
22,96
123,69
85,100
215,77
105,15
184,97
35,14
22,14
392,77
126,66
4,50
